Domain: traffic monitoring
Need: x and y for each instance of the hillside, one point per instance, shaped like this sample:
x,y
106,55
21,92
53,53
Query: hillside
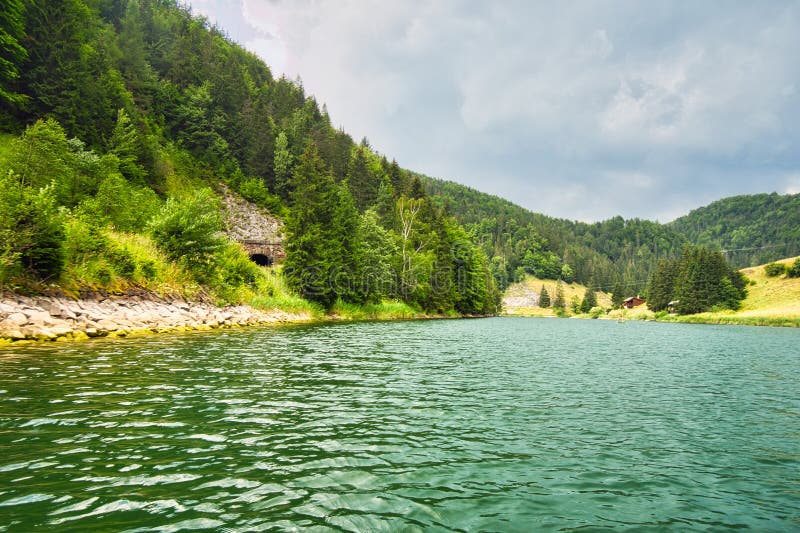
x,y
755,229
607,254
771,296
752,229
522,298
124,122
129,124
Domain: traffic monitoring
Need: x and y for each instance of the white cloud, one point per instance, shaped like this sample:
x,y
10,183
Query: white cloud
x,y
677,103
792,184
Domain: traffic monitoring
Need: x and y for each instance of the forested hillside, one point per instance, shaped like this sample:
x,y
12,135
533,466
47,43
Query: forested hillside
x,y
753,229
615,255
125,119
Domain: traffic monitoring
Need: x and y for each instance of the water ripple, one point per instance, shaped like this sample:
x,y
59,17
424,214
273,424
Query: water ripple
x,y
481,425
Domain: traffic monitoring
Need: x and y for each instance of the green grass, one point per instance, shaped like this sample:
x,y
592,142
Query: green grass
x,y
123,262
534,284
385,310
272,294
5,145
733,319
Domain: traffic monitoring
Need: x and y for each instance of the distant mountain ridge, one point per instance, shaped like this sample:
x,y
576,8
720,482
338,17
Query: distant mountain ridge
x,y
751,229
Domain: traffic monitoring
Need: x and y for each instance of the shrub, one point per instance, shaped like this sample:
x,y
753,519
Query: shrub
x,y
31,232
774,269
123,262
188,229
794,270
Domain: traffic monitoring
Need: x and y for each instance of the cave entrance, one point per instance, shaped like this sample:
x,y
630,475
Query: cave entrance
x,y
261,260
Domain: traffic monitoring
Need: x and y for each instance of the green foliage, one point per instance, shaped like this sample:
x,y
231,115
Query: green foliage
x,y
755,228
124,206
606,252
188,229
282,164
544,298
127,145
363,184
661,286
31,232
575,304
618,295
378,251
253,189
699,281
774,269
12,54
589,300
558,301
794,270
323,244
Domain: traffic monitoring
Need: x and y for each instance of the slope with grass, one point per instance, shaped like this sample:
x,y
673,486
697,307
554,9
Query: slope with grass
x,y
522,298
771,301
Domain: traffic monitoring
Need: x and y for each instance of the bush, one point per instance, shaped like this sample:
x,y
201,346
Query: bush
x,y
254,190
188,229
31,232
597,312
794,270
125,206
774,269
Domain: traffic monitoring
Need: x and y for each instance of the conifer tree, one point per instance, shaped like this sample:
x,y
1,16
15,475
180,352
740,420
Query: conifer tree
x,y
125,143
618,295
362,184
589,300
558,302
544,298
12,54
323,249
661,285
283,160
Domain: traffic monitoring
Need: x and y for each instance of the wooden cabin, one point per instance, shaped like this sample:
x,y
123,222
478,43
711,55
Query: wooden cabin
x,y
631,302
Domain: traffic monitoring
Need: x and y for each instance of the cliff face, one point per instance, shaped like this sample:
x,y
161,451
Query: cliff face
x,y
245,221
259,232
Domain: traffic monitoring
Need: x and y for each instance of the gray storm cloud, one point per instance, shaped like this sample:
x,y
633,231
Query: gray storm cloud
x,y
582,111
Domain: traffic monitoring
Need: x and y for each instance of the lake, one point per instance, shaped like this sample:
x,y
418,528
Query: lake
x,y
500,424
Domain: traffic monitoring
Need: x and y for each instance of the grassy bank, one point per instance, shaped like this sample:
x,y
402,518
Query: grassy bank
x,y
770,301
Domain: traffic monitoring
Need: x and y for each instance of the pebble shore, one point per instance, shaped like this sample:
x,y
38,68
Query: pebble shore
x,y
52,318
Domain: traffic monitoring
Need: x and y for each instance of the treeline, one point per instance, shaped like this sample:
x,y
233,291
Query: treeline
x,y
753,229
148,103
615,255
699,281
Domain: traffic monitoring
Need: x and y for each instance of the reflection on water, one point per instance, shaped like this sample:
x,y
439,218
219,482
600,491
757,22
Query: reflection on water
x,y
494,424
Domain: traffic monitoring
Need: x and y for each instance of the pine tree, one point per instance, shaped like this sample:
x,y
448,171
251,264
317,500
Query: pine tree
x,y
589,300
417,190
323,249
544,298
12,54
307,266
363,185
126,144
283,160
618,295
558,302
661,286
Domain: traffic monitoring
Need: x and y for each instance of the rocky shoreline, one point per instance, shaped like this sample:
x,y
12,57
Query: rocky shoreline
x,y
60,318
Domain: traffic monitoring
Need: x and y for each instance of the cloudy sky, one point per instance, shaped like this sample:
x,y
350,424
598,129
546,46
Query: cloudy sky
x,y
581,110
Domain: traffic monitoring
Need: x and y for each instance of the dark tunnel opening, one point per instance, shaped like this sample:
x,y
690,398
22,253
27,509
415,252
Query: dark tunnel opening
x,y
261,259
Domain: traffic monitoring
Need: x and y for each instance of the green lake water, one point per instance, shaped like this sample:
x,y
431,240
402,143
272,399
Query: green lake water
x,y
503,424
